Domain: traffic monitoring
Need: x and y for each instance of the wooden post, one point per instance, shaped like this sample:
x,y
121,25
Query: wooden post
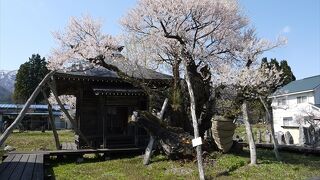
x,y
51,120
163,109
23,112
63,109
270,121
194,121
103,117
252,145
148,152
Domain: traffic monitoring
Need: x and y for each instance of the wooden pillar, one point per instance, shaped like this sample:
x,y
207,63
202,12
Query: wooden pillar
x,y
252,146
148,152
51,120
270,122
103,118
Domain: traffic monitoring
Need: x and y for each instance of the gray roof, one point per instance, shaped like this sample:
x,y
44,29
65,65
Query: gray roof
x,y
92,72
305,84
36,114
33,106
134,71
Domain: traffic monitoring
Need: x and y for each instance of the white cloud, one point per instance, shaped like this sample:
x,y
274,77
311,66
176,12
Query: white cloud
x,y
286,29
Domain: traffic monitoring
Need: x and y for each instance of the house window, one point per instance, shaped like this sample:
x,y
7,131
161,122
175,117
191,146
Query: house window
x,y
287,121
281,102
301,99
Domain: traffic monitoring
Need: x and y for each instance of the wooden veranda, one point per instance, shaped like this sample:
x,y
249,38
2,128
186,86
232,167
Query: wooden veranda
x,y
33,165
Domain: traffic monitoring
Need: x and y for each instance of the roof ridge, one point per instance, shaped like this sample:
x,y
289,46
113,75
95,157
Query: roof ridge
x,y
309,77
301,85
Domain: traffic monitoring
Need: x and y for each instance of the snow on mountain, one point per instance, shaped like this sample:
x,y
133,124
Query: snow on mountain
x,y
7,79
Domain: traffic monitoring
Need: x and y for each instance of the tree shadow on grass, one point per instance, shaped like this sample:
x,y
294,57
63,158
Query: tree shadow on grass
x,y
266,156
229,170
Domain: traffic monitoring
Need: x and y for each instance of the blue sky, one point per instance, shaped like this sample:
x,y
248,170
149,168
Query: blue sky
x,y
26,26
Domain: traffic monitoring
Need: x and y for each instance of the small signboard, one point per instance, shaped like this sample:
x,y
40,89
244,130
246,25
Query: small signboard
x,y
196,142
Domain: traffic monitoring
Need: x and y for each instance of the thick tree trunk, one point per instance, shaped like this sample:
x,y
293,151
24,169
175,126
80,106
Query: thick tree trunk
x,y
270,122
176,74
203,99
176,143
23,112
194,122
252,146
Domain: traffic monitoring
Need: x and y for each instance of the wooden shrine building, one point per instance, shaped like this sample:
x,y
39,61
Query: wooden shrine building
x,y
105,103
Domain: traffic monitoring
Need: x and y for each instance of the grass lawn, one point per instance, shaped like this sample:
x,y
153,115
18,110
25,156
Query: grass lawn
x,y
37,140
241,131
218,165
222,166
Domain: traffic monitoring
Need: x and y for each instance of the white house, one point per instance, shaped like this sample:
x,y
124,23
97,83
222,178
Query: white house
x,y
294,104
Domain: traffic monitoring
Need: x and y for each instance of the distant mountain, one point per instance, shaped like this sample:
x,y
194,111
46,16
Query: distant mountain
x,y
7,80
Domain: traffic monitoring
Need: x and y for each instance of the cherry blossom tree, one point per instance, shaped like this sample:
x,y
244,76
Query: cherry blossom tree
x,y
195,35
82,39
252,82
68,100
201,35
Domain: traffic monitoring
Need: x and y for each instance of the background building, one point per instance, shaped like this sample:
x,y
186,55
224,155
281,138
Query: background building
x,y
295,105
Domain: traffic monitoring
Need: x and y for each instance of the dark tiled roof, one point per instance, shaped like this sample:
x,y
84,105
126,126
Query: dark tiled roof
x,y
130,70
93,72
118,91
305,84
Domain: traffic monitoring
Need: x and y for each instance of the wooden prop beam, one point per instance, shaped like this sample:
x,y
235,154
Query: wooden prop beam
x,y
270,122
148,152
51,120
63,109
24,110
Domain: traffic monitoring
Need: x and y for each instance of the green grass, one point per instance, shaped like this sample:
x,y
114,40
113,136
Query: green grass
x,y
217,166
37,140
241,131
222,166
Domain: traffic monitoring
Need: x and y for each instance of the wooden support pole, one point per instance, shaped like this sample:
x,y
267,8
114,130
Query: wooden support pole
x,y
252,146
63,109
23,112
163,109
148,152
270,122
51,120
194,121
